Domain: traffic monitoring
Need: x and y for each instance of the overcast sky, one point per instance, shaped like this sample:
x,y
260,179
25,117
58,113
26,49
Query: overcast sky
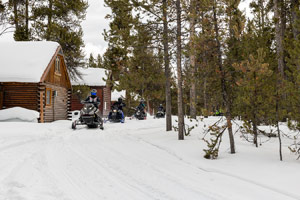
x,y
95,24
93,28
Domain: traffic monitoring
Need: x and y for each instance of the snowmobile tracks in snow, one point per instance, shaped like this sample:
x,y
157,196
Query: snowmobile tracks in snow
x,y
222,173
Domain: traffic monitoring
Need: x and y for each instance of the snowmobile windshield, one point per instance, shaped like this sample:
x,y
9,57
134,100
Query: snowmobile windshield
x,y
88,107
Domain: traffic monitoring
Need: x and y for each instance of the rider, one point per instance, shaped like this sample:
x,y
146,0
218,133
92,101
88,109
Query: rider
x,y
161,108
119,104
142,106
94,99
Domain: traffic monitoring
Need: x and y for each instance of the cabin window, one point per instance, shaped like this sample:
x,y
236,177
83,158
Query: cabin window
x,y
57,65
48,96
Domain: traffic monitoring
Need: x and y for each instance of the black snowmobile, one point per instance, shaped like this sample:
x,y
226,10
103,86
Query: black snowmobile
x,y
140,114
115,115
160,114
88,117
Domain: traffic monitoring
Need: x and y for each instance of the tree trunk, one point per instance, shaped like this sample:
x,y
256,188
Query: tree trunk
x,y
278,128
223,81
27,20
278,37
193,97
179,74
49,26
280,60
255,131
167,68
262,10
230,132
205,64
205,96
280,144
16,16
254,121
148,107
295,18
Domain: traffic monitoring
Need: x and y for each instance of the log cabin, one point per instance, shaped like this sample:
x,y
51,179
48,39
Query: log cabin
x,y
93,78
34,75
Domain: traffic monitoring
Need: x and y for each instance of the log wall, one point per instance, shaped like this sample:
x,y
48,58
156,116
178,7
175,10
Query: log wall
x,y
20,94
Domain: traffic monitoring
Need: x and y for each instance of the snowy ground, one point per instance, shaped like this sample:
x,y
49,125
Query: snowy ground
x,y
137,160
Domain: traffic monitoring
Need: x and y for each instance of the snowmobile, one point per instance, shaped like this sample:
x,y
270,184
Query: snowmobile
x,y
88,117
139,114
160,114
115,115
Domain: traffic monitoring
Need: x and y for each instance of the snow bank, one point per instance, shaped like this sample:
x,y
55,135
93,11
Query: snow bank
x,y
25,61
19,114
91,77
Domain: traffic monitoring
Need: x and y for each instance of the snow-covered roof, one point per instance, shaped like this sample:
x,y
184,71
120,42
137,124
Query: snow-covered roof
x,y
91,77
116,94
25,61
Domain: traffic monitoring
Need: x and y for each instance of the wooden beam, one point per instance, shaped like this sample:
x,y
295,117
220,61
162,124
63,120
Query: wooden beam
x,y
42,107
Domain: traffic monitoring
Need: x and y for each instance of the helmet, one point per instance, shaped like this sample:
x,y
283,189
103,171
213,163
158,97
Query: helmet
x,y
160,104
142,101
120,100
94,92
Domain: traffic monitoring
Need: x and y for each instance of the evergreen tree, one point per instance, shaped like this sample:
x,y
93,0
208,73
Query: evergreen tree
x,y
19,17
192,56
119,37
131,57
58,20
92,63
167,65
144,75
255,94
158,12
3,18
179,73
99,61
203,48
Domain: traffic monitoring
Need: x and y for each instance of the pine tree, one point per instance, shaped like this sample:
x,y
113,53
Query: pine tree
x,y
20,15
92,63
167,66
202,46
254,98
58,20
192,55
131,55
145,75
159,12
99,61
179,73
119,37
289,86
3,18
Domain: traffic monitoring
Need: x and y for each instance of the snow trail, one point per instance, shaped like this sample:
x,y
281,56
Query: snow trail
x,y
135,160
